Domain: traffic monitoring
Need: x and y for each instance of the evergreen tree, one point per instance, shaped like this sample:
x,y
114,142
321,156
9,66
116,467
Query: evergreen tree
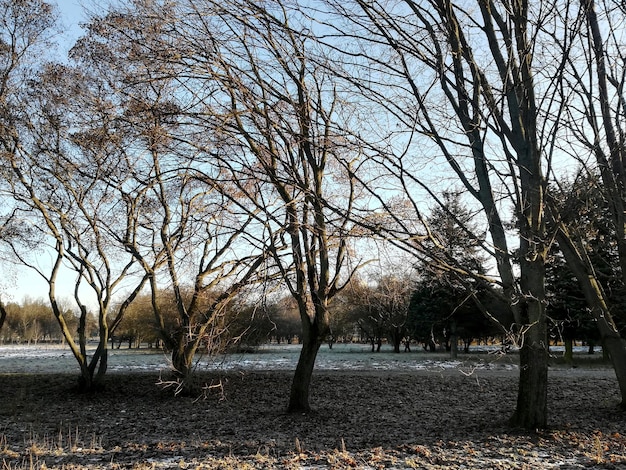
x,y
443,307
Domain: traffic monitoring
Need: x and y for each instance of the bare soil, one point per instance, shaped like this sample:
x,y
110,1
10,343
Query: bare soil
x,y
369,420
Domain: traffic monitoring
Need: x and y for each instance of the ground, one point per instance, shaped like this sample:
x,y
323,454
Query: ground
x,y
450,419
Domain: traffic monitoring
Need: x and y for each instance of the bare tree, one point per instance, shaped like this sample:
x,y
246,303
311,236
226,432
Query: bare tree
x,y
256,140
188,229
463,77
285,116
26,28
60,187
273,117
595,121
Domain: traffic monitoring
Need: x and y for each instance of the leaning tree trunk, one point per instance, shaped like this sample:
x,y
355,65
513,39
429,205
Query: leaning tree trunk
x,y
313,333
594,294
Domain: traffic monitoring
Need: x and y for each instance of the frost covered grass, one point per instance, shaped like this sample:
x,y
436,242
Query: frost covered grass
x,y
58,359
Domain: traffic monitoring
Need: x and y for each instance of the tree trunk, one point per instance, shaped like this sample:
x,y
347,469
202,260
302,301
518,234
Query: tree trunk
x,y
314,331
3,315
92,372
181,362
454,341
569,351
100,361
183,353
301,384
595,296
397,341
532,398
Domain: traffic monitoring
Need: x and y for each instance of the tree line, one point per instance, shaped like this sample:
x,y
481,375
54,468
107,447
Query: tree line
x,y
400,313
220,151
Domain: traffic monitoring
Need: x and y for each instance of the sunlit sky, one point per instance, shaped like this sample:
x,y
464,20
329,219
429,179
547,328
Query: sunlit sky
x,y
19,283
71,15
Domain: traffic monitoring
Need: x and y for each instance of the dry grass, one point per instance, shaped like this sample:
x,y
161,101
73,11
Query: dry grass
x,y
362,420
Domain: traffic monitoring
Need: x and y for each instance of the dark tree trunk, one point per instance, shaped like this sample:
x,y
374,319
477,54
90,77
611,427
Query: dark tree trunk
x,y
92,372
301,385
3,315
397,341
454,341
532,398
569,351
183,353
313,333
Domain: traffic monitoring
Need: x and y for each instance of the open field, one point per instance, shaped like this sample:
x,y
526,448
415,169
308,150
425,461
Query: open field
x,y
436,415
58,359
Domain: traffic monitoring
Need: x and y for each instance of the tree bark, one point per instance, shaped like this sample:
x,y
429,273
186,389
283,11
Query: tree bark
x,y
531,411
532,398
454,340
301,384
3,315
569,351
313,334
183,354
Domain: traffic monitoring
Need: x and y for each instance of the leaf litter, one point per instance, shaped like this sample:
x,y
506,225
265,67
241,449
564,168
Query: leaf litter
x,y
377,419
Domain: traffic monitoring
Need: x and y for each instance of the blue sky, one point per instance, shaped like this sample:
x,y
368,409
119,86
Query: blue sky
x,y
71,15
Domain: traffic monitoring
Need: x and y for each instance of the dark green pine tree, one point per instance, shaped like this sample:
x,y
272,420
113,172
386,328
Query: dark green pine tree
x,y
443,307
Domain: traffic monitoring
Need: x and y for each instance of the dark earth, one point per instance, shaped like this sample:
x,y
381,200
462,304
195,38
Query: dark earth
x,y
364,419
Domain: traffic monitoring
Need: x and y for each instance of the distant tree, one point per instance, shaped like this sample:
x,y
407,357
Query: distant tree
x,y
448,303
391,297
361,309
284,314
426,315
33,321
136,326
445,312
342,326
249,323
